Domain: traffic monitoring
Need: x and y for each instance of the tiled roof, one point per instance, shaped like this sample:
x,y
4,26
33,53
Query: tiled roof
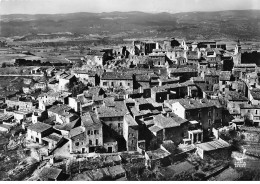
x,y
116,76
142,78
192,103
49,173
157,154
182,70
61,109
53,137
177,119
165,122
116,170
213,145
111,111
155,128
90,119
130,120
67,126
76,131
39,127
135,112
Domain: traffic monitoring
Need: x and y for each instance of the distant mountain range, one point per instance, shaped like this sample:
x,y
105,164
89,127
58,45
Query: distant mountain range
x,y
234,24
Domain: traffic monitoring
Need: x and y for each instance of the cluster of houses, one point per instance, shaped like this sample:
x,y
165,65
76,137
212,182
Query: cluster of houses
x,y
183,92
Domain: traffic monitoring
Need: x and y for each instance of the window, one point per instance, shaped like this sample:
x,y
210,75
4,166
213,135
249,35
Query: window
x,y
88,132
112,83
96,132
96,141
91,132
104,83
209,113
132,141
90,142
209,121
120,84
128,84
256,111
119,125
76,143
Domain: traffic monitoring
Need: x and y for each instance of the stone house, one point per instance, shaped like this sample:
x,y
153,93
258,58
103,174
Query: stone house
x,y
203,111
254,96
174,91
21,103
77,140
63,113
217,149
185,73
65,80
113,116
252,110
171,128
93,131
234,100
130,132
115,79
157,158
225,78
37,131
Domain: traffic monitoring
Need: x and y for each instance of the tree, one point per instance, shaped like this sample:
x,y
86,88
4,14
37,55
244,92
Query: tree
x,y
3,64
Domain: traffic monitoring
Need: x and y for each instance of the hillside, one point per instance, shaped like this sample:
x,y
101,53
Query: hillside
x,y
243,24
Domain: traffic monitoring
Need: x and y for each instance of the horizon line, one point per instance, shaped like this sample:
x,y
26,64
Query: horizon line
x,y
151,12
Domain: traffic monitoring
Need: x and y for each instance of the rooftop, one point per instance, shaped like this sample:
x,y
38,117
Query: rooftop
x,y
39,127
213,145
53,137
76,131
49,173
157,154
111,111
130,120
155,128
116,170
192,103
166,122
225,76
60,109
116,76
90,119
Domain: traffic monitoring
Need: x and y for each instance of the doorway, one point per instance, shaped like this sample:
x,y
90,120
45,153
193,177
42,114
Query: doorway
x,y
83,150
109,149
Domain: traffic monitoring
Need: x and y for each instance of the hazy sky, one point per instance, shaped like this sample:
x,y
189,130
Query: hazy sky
x,y
172,6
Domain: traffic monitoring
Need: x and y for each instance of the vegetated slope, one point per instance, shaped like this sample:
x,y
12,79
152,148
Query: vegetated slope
x,y
243,24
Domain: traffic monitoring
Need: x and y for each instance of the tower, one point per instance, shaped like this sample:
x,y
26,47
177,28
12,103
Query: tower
x,y
237,54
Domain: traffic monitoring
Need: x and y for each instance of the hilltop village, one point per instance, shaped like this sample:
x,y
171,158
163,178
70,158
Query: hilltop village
x,y
171,110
